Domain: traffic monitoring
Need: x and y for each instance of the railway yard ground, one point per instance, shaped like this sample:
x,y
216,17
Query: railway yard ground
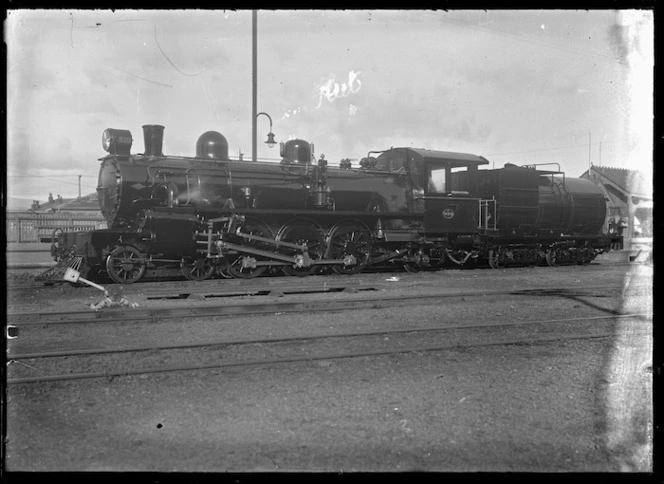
x,y
530,369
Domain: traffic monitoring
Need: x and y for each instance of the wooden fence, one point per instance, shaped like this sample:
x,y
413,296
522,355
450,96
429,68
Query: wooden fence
x,y
29,227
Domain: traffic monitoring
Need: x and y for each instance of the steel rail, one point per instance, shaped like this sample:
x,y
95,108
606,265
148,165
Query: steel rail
x,y
475,325
212,291
275,361
22,286
230,285
114,315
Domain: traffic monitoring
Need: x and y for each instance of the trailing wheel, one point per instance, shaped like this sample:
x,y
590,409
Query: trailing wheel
x,y
244,266
302,233
125,264
412,267
197,269
416,261
350,242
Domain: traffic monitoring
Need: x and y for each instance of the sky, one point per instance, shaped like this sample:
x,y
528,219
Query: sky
x,y
540,86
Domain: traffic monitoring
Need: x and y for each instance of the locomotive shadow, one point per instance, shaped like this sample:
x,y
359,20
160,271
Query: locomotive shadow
x,y
567,294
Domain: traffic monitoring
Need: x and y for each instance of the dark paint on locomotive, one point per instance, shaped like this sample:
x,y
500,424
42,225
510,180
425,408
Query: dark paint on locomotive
x,y
414,207
535,203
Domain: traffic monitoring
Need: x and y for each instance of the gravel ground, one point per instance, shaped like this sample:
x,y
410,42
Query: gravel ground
x,y
574,405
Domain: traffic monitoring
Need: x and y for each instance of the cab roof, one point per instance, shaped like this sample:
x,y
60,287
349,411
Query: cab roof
x,y
455,159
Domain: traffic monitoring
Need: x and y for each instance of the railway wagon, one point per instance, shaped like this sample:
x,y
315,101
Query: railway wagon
x,y
209,215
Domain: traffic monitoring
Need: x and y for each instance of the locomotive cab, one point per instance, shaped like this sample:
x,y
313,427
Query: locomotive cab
x,y
448,203
442,186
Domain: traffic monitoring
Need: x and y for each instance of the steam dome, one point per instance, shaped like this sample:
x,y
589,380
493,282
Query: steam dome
x,y
213,145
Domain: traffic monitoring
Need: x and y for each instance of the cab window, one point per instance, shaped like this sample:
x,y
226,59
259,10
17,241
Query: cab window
x,y
437,179
458,181
444,178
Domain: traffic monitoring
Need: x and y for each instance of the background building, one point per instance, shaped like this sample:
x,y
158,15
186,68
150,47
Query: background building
x,y
629,196
35,222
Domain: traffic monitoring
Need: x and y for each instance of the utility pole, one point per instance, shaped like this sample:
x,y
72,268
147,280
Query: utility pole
x,y
254,79
79,186
589,163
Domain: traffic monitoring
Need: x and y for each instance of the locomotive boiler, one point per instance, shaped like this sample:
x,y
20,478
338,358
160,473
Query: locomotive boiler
x,y
210,215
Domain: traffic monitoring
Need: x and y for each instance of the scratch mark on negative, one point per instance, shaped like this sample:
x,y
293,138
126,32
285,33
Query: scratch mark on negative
x,y
144,79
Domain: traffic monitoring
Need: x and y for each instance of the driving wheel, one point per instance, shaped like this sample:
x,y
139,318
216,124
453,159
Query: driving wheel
x,y
351,243
302,233
244,266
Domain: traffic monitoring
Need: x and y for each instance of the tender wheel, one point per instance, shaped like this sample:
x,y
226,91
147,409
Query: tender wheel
x,y
437,257
551,257
302,233
197,269
244,266
587,256
493,259
352,243
125,264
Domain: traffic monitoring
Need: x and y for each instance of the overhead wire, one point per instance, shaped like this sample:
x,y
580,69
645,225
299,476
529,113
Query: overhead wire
x,y
52,177
37,176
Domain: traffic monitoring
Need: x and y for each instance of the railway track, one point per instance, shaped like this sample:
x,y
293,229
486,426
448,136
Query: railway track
x,y
317,305
229,286
366,350
259,286
212,345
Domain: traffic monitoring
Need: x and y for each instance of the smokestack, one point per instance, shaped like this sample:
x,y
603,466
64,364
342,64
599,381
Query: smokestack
x,y
153,135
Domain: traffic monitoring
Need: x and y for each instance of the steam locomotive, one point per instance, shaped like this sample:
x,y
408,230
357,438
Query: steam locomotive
x,y
209,215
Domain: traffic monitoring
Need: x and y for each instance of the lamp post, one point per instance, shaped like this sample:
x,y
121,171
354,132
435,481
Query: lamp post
x,y
254,91
270,136
254,81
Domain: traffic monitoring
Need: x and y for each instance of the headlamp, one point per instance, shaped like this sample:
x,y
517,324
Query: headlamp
x,y
116,141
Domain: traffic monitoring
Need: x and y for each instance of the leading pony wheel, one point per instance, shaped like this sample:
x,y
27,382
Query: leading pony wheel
x,y
125,264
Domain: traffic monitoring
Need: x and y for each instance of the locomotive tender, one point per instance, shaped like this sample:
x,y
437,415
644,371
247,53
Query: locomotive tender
x,y
209,215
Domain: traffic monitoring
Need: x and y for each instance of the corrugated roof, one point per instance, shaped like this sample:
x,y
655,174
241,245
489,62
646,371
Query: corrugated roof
x,y
630,181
